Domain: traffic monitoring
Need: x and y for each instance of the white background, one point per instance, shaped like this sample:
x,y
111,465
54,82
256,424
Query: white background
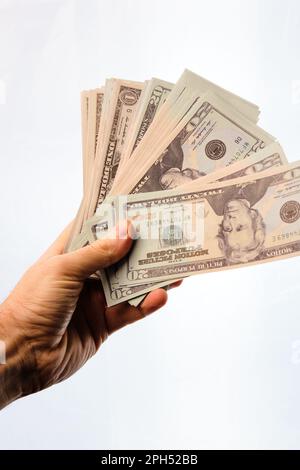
x,y
219,366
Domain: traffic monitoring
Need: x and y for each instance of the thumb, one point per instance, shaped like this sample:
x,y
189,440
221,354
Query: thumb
x,y
80,264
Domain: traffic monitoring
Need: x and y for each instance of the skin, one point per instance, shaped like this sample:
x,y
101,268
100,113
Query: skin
x,y
56,318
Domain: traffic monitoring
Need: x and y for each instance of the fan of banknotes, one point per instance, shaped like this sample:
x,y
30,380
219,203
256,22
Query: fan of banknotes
x,y
204,186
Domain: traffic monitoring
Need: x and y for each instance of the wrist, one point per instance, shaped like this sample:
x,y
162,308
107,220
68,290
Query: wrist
x,y
18,376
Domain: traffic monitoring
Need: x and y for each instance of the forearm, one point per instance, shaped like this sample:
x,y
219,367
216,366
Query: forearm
x,y
17,375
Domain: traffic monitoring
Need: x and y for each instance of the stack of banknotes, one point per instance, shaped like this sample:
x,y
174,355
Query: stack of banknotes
x,y
204,187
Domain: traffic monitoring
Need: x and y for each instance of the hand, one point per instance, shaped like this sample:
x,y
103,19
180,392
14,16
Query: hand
x,y
56,318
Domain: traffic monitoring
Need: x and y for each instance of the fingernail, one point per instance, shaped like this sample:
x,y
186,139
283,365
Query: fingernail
x,y
122,230
132,231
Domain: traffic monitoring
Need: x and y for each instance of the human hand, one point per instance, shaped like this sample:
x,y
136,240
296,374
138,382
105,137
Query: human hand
x,y
56,318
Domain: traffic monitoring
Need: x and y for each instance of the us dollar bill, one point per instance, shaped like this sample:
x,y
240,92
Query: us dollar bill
x,y
117,110
96,227
190,82
152,98
156,94
84,105
137,300
245,221
269,157
166,117
123,104
94,116
133,294
91,111
189,89
95,111
211,136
